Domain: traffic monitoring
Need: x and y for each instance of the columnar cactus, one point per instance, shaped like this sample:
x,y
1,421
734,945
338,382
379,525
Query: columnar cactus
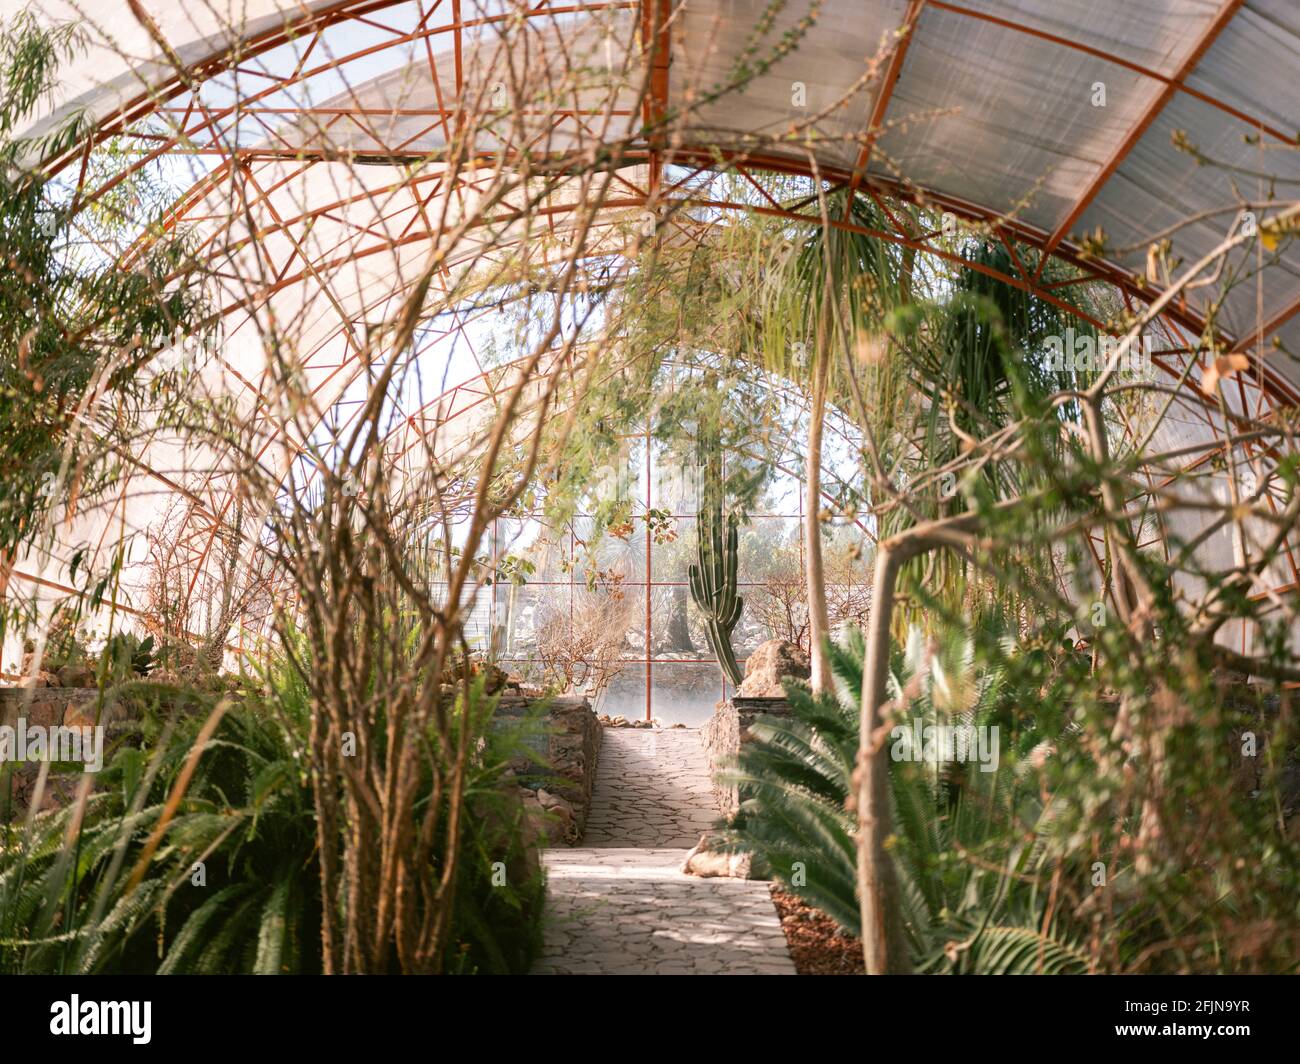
x,y
713,584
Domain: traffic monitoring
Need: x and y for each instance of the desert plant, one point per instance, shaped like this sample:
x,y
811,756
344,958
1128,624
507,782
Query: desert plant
x,y
580,646
713,584
712,576
126,656
65,641
781,609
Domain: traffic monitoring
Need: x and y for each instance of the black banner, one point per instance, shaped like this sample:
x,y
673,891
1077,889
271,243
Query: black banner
x,y
140,1015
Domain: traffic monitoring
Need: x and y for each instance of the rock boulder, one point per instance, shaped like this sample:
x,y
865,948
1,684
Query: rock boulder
x,y
76,676
768,665
710,860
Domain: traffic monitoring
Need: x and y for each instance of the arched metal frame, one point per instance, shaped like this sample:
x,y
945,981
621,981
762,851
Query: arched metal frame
x,y
670,174
198,128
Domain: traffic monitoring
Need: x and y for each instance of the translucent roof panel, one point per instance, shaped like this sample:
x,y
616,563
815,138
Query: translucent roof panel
x,y
1045,118
991,105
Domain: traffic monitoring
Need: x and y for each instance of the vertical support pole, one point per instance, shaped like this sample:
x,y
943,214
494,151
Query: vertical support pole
x,y
494,609
648,546
723,463
459,62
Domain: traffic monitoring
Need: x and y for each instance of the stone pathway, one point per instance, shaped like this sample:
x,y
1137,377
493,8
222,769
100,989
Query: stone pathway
x,y
652,789
619,906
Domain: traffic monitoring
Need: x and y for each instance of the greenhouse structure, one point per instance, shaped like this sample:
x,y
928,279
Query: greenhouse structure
x,y
650,487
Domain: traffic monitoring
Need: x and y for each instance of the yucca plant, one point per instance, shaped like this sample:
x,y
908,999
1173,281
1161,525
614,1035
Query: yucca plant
x,y
970,844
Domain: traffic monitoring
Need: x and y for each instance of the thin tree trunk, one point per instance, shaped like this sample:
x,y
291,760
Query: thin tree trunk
x,y
884,947
679,628
814,568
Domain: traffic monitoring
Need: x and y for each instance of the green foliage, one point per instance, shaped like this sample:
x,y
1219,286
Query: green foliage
x,y
75,318
234,885
793,781
29,59
125,657
500,891
968,359
968,852
838,284
1136,822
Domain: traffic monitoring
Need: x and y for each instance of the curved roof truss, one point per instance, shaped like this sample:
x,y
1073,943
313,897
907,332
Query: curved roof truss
x,y
1019,148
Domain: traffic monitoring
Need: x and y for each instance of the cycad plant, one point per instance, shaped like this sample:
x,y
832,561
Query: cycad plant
x,y
970,844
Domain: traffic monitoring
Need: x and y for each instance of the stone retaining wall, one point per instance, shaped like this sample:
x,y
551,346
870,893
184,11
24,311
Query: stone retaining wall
x,y
50,707
44,706
560,780
725,732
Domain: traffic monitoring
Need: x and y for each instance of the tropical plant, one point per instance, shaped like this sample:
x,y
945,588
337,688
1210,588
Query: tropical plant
x,y
968,852
971,359
197,850
496,925
822,289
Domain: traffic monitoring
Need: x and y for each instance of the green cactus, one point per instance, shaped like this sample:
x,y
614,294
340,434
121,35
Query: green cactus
x,y
713,584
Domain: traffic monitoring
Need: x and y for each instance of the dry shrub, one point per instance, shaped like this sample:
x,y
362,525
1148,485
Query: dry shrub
x,y
581,647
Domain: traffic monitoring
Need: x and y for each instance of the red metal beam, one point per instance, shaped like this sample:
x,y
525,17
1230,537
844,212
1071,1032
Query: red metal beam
x,y
903,41
1271,326
656,39
1121,152
1107,272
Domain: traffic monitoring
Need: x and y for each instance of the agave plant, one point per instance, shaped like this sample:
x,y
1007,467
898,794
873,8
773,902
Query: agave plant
x,y
125,656
970,847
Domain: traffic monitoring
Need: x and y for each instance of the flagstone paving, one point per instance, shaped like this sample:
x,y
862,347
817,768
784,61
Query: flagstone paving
x,y
619,904
652,789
